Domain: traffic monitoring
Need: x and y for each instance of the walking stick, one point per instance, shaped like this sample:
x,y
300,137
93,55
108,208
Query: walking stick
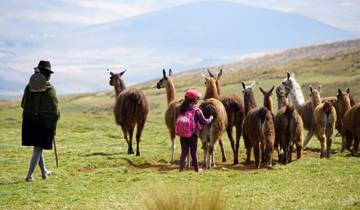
x,y
56,156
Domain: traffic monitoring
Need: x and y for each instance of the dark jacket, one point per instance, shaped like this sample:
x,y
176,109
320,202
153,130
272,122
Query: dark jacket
x,y
40,116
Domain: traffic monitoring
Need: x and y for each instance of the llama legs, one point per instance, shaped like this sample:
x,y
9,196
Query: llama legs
x,y
139,129
229,134
299,148
257,155
237,145
131,133
328,142
222,150
323,149
173,146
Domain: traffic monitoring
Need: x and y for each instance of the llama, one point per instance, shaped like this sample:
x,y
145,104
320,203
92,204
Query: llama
x,y
258,129
349,122
288,128
212,133
343,105
305,109
249,97
235,112
131,109
173,109
324,121
259,133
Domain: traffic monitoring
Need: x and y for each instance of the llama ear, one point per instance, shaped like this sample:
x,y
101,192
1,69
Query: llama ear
x,y
288,75
263,92
170,72
210,73
339,92
111,73
271,90
319,88
311,89
244,85
164,73
123,72
219,74
348,90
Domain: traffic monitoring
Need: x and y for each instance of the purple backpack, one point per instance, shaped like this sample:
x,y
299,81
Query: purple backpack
x,y
185,125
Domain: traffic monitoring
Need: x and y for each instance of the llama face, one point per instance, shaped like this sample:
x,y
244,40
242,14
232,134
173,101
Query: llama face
x,y
115,78
164,81
161,83
288,83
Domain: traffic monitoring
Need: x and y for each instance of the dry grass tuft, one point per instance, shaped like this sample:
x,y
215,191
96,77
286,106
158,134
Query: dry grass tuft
x,y
164,198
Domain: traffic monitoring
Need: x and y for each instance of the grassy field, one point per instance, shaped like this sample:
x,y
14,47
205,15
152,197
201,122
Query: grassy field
x,y
96,173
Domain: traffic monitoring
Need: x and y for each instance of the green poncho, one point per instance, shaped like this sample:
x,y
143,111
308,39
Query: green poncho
x,y
41,107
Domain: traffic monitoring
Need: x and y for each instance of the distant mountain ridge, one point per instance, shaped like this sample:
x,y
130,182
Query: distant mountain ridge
x,y
225,26
183,37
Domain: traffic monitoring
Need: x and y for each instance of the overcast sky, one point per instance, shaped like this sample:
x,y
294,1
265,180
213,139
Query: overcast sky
x,y
343,14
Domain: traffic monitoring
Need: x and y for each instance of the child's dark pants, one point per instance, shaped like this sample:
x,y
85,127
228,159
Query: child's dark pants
x,y
187,143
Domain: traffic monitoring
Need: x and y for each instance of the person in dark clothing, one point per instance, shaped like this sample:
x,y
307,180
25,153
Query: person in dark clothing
x,y
191,98
40,116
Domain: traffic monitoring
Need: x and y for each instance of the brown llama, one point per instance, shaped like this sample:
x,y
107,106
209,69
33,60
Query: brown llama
x,y
324,122
258,129
173,109
235,112
131,109
288,128
249,96
259,133
349,122
342,104
212,133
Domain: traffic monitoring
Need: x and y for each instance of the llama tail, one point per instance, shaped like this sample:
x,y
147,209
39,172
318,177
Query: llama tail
x,y
289,111
327,109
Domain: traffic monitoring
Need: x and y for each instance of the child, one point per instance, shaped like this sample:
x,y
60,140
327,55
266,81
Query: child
x,y
190,110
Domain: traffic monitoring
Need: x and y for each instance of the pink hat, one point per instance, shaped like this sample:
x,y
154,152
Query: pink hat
x,y
192,94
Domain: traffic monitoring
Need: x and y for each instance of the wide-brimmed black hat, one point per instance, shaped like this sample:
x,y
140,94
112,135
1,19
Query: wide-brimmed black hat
x,y
44,65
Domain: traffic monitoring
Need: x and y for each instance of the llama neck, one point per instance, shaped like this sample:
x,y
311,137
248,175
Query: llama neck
x,y
282,102
218,87
268,103
119,87
249,101
344,107
211,91
316,100
170,91
296,95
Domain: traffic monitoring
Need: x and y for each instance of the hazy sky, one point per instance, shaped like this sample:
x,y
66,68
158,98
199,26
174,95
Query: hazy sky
x,y
340,13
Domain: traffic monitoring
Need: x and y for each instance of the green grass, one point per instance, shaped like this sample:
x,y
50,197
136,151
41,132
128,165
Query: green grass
x,y
96,173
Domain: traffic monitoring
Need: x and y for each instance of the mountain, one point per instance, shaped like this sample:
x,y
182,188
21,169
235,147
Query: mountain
x,y
183,37
222,26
